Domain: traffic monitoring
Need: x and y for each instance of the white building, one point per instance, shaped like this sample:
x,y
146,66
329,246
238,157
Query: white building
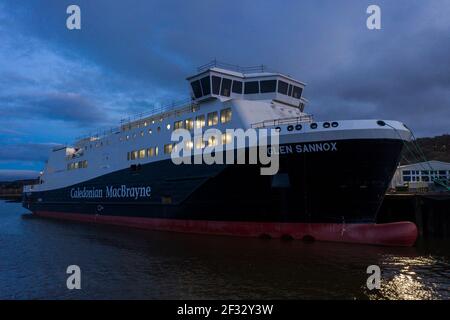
x,y
424,172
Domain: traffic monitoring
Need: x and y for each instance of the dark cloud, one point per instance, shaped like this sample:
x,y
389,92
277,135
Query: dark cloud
x,y
69,107
132,56
26,152
11,175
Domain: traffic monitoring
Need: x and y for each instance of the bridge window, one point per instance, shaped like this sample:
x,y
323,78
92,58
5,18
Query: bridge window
x,y
237,87
290,90
251,87
226,87
297,92
282,87
225,115
200,122
206,85
196,88
213,119
268,85
216,84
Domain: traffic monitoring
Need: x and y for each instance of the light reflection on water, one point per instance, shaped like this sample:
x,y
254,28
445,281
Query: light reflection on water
x,y
119,263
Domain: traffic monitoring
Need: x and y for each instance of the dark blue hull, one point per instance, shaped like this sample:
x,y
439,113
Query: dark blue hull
x,y
343,185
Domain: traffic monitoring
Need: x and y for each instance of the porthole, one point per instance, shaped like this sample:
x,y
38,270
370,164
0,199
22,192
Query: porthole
x,y
334,124
298,127
278,129
326,124
313,126
381,123
290,127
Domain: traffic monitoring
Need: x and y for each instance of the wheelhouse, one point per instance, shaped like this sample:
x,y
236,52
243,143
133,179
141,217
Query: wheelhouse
x,y
215,82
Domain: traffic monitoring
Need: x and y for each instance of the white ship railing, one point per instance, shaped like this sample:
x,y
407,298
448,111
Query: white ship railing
x,y
276,122
156,114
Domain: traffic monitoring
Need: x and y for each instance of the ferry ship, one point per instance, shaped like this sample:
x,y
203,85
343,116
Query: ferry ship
x,y
330,184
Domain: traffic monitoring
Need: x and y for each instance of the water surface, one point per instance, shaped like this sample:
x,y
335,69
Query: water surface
x,y
120,263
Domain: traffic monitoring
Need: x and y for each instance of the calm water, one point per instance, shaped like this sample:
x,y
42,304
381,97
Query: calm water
x,y
133,264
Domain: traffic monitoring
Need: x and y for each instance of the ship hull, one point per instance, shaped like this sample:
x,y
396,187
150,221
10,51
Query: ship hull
x,y
330,194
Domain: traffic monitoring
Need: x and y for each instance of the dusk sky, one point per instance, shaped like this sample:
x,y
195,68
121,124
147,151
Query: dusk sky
x,y
130,56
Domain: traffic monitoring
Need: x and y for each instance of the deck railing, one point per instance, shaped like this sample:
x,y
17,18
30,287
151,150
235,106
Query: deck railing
x,y
128,123
275,122
232,67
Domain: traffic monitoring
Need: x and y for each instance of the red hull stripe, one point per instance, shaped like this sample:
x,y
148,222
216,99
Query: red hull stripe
x,y
389,234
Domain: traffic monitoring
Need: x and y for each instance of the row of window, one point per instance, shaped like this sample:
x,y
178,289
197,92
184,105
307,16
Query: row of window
x,y
143,153
423,178
211,120
424,175
153,151
424,172
224,86
77,165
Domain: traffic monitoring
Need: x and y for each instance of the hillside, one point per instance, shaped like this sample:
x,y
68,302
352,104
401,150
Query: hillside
x,y
436,148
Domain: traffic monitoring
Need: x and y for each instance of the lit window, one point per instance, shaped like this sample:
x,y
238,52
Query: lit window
x,y
142,153
189,124
226,138
168,148
168,126
200,122
85,163
149,131
156,151
199,143
142,133
178,125
151,152
145,123
134,155
189,145
225,115
75,165
213,119
128,137
212,141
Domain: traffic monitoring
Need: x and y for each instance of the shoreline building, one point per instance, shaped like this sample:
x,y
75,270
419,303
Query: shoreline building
x,y
421,174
